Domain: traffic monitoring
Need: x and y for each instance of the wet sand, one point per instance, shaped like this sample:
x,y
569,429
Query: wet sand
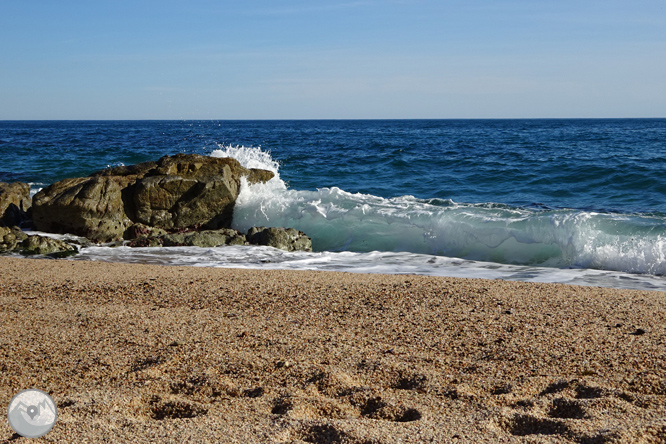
x,y
140,353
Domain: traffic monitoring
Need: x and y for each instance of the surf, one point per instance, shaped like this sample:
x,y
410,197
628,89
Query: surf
x,y
341,221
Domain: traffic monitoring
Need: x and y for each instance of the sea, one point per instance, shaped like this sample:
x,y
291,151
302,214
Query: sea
x,y
569,201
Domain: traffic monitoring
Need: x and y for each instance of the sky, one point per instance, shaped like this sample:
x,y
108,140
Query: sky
x,y
346,59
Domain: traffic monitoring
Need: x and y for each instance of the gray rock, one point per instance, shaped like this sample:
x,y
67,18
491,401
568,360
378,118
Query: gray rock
x,y
288,239
15,203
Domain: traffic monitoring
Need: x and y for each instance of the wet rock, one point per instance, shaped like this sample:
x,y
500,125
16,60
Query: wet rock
x,y
136,231
15,203
205,239
14,240
146,241
46,246
288,239
10,238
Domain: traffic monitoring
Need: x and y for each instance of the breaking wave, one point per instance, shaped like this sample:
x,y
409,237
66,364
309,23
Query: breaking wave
x,y
338,220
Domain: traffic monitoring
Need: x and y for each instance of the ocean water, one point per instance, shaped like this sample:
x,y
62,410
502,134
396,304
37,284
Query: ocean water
x,y
571,201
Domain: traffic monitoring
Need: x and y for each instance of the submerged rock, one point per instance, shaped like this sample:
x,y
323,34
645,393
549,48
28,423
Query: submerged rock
x,y
183,191
15,203
288,239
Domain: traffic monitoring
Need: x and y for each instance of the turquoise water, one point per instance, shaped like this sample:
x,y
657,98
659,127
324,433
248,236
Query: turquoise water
x,y
560,194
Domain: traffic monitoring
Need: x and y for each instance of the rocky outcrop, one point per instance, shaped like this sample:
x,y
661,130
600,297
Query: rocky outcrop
x,y
183,191
15,203
288,239
184,200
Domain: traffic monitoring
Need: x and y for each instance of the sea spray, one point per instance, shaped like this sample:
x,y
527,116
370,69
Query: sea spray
x,y
249,157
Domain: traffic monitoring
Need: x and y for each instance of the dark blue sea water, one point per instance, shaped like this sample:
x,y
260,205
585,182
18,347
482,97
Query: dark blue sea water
x,y
549,200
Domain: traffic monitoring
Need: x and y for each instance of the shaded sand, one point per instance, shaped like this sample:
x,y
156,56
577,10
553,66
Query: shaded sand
x,y
134,353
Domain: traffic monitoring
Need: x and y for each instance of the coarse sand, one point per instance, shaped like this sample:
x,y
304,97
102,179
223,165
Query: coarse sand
x,y
145,353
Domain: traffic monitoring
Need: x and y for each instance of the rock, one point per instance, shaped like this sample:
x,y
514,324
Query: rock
x,y
240,239
175,239
136,231
146,241
183,191
205,239
158,201
13,240
15,203
190,191
46,246
10,238
288,239
91,207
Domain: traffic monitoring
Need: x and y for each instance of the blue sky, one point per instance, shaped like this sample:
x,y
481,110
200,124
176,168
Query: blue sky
x,y
251,59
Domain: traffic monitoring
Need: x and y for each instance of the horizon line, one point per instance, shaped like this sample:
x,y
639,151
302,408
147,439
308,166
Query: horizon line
x,y
329,119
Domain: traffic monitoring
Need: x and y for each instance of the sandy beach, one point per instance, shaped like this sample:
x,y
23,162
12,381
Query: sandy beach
x,y
140,353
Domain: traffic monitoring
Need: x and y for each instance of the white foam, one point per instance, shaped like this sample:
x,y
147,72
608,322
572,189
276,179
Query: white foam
x,y
337,220
35,187
249,157
370,262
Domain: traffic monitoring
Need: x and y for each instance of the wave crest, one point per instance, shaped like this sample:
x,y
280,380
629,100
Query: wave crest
x,y
338,220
